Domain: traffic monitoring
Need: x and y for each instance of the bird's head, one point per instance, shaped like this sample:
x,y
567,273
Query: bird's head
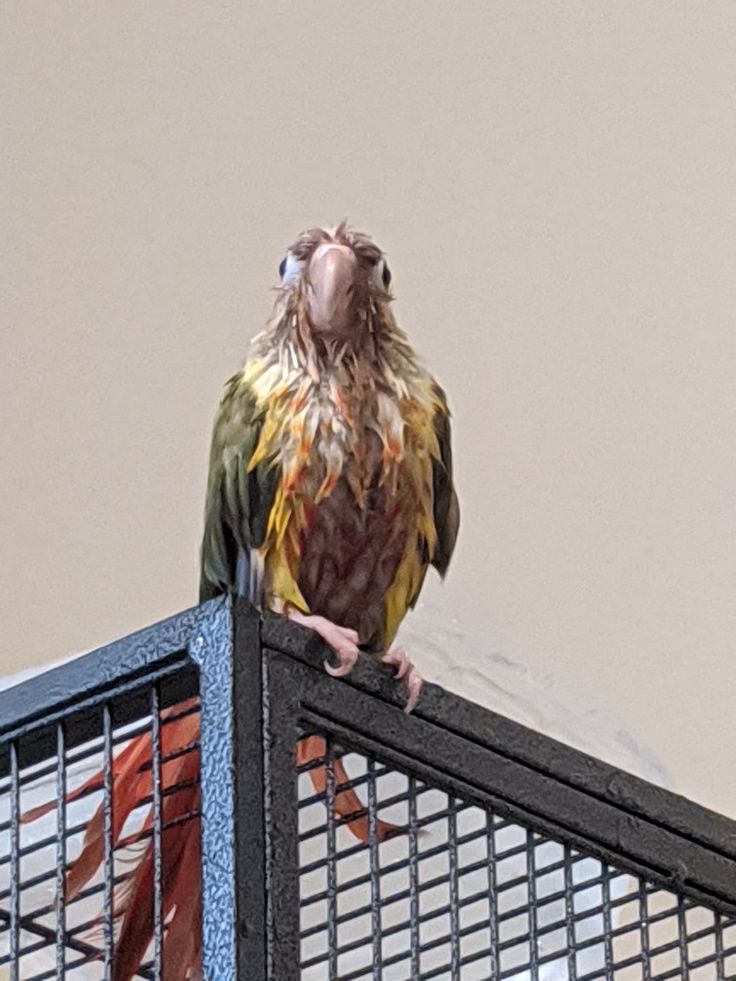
x,y
335,281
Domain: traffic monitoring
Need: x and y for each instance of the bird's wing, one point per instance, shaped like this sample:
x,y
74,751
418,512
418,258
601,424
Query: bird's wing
x,y
438,534
239,497
446,507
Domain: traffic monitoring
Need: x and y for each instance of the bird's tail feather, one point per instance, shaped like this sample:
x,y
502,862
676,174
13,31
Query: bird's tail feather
x,y
312,755
181,871
132,787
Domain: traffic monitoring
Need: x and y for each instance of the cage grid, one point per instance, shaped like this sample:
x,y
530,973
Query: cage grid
x,y
341,840
463,892
50,927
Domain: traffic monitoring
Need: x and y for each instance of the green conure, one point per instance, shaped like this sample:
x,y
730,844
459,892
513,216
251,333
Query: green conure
x,y
330,486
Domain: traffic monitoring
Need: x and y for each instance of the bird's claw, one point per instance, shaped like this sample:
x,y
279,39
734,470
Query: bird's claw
x,y
414,683
405,670
344,644
347,657
342,640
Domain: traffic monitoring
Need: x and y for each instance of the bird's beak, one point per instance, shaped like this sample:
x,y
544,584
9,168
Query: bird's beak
x,y
331,287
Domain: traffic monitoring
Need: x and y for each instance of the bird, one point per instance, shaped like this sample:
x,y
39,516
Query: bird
x,y
330,494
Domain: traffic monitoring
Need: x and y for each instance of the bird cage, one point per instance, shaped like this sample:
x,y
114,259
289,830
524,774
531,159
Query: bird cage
x,y
510,855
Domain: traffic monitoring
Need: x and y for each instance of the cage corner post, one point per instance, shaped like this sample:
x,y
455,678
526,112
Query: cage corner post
x,y
250,779
226,648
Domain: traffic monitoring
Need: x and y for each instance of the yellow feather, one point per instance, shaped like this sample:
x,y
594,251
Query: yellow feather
x,y
283,582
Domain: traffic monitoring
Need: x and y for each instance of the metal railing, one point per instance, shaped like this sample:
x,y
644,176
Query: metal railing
x,y
342,839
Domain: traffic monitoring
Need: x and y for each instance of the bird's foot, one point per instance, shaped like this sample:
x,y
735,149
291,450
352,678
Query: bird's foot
x,y
405,670
342,640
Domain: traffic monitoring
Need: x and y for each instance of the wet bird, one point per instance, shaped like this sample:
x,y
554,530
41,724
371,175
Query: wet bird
x,y
330,488
330,494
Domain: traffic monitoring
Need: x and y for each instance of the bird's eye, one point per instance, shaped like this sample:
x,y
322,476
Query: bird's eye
x,y
282,267
386,276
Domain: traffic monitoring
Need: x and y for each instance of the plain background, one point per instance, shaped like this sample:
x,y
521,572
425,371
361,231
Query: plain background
x,y
555,186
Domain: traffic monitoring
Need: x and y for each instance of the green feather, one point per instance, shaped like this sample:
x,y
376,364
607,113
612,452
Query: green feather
x,y
446,508
238,500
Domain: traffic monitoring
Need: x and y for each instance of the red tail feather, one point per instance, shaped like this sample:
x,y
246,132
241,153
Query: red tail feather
x,y
347,802
132,787
181,871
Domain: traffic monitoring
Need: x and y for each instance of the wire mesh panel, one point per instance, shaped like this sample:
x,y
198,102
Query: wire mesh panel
x,y
117,805
111,790
399,880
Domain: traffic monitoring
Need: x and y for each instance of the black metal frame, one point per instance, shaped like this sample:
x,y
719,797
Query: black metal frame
x,y
261,680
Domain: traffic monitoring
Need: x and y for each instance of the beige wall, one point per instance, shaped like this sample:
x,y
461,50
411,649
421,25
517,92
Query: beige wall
x,y
555,186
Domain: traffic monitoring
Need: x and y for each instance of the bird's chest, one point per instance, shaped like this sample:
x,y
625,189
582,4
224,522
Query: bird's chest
x,y
352,500
344,438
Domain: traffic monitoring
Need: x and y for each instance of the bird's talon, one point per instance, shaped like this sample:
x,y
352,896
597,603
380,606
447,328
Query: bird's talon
x,y
342,640
347,663
415,685
405,670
